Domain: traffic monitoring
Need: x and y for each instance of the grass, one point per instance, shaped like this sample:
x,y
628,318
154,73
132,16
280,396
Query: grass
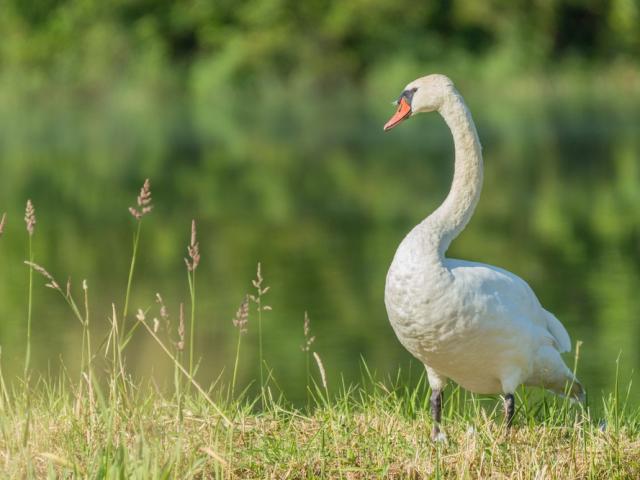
x,y
106,424
375,429
30,220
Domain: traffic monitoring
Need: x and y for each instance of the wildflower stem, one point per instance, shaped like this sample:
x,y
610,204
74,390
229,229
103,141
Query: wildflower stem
x,y
235,365
240,322
192,262
86,328
27,358
191,275
257,299
307,361
136,238
259,302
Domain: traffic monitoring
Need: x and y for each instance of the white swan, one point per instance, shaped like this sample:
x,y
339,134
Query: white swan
x,y
475,324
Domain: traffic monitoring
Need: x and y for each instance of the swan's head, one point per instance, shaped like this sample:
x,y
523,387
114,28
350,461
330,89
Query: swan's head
x,y
425,94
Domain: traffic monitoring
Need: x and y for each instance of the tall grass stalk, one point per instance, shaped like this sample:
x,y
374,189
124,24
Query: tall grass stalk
x,y
306,348
66,295
178,346
86,336
257,299
240,322
117,367
192,263
205,395
27,356
132,266
177,379
30,220
192,320
235,365
143,207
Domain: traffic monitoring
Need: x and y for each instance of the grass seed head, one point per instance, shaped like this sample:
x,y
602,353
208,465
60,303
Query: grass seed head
x,y
193,250
52,283
144,201
3,222
242,316
323,374
164,313
30,217
257,283
308,339
260,290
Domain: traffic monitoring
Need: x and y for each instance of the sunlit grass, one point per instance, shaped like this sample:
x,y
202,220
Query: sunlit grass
x,y
373,429
106,424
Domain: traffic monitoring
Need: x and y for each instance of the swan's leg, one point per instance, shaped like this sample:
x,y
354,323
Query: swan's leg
x,y
436,414
437,383
509,408
510,382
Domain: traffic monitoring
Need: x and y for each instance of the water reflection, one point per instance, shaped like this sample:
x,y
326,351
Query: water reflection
x,y
322,198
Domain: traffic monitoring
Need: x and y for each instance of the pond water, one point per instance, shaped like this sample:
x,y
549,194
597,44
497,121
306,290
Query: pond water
x,y
321,197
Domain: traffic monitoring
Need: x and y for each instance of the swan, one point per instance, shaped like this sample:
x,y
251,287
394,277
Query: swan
x,y
475,324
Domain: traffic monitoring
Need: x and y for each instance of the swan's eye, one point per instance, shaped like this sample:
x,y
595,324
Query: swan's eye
x,y
407,95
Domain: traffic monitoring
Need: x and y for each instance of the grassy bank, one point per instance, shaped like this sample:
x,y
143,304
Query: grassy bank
x,y
59,430
95,419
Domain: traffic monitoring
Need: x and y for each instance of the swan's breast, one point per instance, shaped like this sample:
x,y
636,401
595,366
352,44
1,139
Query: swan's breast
x,y
426,311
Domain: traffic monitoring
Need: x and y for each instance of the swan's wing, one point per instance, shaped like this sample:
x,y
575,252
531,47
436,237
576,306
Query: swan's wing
x,y
514,298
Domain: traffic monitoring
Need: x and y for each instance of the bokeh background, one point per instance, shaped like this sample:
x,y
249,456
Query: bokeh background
x,y
263,121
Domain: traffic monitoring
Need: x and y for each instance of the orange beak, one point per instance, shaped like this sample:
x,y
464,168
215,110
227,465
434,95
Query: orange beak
x,y
403,112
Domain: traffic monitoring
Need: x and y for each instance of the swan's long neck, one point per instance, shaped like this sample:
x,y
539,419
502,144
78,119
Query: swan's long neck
x,y
443,225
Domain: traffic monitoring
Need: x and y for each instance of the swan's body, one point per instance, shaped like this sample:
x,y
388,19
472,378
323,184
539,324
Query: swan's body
x,y
476,324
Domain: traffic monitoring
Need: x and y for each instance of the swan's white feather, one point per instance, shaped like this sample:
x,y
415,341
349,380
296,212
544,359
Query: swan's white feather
x,y
477,324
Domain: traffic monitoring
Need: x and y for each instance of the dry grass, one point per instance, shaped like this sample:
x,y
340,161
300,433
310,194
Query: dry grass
x,y
368,432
